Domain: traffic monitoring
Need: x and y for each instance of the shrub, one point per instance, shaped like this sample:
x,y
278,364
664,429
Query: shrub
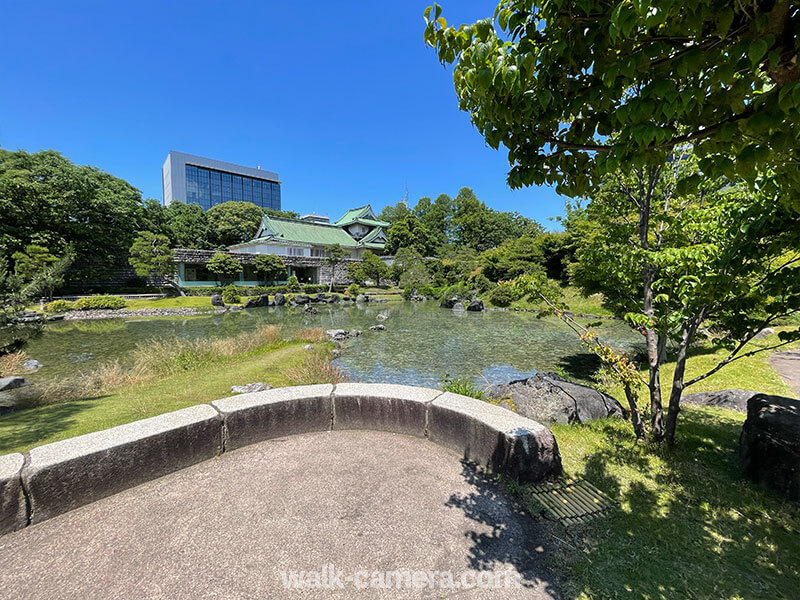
x,y
58,306
100,302
353,289
462,386
230,295
502,295
293,285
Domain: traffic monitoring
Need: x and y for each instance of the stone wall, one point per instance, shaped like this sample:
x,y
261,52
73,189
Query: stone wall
x,y
61,476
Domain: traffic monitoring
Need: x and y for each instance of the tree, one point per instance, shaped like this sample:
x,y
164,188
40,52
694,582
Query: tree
x,y
151,256
233,222
513,258
48,201
437,217
224,266
356,273
393,213
409,270
188,226
576,90
271,267
283,214
409,232
336,255
34,262
672,262
373,267
478,226
155,217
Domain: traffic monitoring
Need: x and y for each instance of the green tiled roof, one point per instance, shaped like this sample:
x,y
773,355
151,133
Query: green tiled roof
x,y
359,214
371,236
293,230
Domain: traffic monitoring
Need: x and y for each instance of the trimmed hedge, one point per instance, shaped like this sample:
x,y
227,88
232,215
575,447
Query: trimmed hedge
x,y
101,302
57,306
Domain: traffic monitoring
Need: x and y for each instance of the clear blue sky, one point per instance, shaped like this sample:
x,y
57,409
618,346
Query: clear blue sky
x,y
342,99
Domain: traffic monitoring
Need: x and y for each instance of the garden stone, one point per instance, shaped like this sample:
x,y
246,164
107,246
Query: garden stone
x,y
354,333
309,309
301,299
250,387
449,302
32,365
258,302
280,299
321,297
769,446
548,398
362,298
731,399
216,300
334,298
11,383
336,335
308,347
764,333
476,305
13,510
458,306
378,327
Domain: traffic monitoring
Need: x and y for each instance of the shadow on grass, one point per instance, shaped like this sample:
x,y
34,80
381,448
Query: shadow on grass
x,y
582,365
28,427
505,535
689,526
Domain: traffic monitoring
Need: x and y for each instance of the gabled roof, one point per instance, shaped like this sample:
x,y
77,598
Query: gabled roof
x,y
304,232
362,214
377,232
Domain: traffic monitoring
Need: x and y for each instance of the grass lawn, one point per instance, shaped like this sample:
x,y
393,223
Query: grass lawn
x,y
176,302
574,300
22,429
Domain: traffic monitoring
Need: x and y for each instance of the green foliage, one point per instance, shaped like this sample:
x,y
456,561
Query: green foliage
x,y
373,267
356,273
462,386
233,222
151,256
230,295
353,289
336,254
188,226
503,295
437,217
513,258
409,269
58,306
47,201
282,214
293,285
270,267
479,227
224,266
99,302
394,213
30,262
577,91
409,232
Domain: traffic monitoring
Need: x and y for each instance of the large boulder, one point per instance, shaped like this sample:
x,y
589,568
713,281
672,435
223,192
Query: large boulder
x,y
216,300
362,298
260,301
458,306
301,299
769,447
548,398
280,299
731,399
11,391
321,298
476,305
334,298
449,302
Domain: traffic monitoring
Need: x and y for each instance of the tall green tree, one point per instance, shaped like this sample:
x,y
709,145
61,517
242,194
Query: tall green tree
x,y
373,267
225,267
270,267
188,226
233,222
409,232
393,213
575,90
437,216
151,256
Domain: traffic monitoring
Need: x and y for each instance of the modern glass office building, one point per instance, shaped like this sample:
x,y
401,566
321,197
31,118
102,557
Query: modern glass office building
x,y
207,182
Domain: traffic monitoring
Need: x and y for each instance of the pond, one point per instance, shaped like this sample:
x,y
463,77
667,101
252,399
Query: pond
x,y
422,343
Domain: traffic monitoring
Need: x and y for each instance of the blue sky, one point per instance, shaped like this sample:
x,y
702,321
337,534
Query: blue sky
x,y
342,99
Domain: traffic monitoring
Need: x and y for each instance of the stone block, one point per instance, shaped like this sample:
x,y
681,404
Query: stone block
x,y
494,437
279,412
382,407
13,508
65,475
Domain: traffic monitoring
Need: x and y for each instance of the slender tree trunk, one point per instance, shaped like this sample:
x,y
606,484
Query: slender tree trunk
x,y
687,334
636,417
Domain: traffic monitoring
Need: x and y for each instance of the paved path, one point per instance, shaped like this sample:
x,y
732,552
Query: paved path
x,y
787,365
226,528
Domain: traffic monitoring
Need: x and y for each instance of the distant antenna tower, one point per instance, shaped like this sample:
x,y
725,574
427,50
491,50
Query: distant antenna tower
x,y
405,197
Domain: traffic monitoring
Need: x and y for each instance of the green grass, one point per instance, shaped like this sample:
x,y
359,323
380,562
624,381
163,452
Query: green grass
x,y
688,525
575,301
23,429
176,302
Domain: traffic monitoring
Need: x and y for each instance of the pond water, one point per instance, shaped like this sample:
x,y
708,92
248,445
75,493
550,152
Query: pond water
x,y
422,343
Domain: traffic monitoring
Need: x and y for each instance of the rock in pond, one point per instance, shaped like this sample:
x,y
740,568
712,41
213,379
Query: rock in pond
x,y
259,386
731,399
769,447
476,305
216,300
378,327
280,299
362,298
549,398
260,301
449,302
458,306
32,365
301,299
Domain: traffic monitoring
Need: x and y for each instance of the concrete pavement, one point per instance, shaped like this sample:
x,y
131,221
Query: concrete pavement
x,y
377,506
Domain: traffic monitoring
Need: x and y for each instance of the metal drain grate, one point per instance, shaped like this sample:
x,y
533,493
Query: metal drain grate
x,y
570,502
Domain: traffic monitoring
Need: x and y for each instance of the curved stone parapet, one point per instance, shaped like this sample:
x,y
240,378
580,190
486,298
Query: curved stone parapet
x,y
58,477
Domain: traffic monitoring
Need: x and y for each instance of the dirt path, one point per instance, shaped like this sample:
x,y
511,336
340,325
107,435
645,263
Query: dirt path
x,y
787,364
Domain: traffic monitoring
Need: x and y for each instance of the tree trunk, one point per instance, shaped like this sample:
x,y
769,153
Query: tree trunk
x,y
333,276
687,334
654,374
636,417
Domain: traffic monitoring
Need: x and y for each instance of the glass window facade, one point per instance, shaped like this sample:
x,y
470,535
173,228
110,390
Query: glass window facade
x,y
208,187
